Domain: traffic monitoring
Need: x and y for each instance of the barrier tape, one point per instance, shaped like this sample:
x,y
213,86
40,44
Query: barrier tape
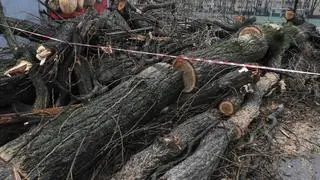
x,y
108,49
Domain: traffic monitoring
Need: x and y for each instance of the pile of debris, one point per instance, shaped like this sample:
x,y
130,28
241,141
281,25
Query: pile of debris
x,y
153,94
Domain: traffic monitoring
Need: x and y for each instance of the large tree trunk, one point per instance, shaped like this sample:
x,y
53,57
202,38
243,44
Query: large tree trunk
x,y
130,112
167,148
202,163
62,147
250,46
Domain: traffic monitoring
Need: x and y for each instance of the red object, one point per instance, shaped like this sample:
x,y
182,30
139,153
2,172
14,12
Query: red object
x,y
100,7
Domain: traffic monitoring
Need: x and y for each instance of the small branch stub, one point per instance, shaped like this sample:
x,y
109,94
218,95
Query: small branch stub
x,y
189,74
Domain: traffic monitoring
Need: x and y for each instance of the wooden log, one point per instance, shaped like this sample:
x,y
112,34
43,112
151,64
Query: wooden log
x,y
231,104
215,89
250,30
32,115
234,27
116,68
167,148
203,162
16,89
250,109
292,18
303,40
205,159
77,139
9,133
251,45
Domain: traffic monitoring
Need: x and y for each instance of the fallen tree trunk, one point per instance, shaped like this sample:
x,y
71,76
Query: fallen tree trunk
x,y
203,162
231,27
250,46
205,159
62,147
215,89
250,109
167,148
15,89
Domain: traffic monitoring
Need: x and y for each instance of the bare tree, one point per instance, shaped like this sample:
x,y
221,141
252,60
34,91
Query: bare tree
x,y
233,6
314,5
295,5
266,5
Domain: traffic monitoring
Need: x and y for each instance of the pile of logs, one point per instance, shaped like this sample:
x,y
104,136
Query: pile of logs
x,y
91,109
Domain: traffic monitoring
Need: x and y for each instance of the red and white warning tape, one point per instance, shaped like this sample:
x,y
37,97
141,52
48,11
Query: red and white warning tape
x,y
109,49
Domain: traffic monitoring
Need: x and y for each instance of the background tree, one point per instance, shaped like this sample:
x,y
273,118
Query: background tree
x,y
314,5
295,5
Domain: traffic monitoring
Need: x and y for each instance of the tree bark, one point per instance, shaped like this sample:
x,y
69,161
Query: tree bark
x,y
215,89
246,48
250,109
63,147
167,148
203,162
15,89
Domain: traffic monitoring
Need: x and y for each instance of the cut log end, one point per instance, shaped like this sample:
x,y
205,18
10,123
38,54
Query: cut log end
x,y
68,6
231,104
290,14
227,108
21,68
189,74
250,30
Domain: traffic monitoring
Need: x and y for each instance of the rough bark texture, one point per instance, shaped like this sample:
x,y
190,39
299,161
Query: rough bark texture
x,y
117,68
250,109
119,123
63,146
6,171
15,89
249,48
143,164
219,86
239,50
202,163
205,159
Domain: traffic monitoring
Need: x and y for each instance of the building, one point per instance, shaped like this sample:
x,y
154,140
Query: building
x,y
259,7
